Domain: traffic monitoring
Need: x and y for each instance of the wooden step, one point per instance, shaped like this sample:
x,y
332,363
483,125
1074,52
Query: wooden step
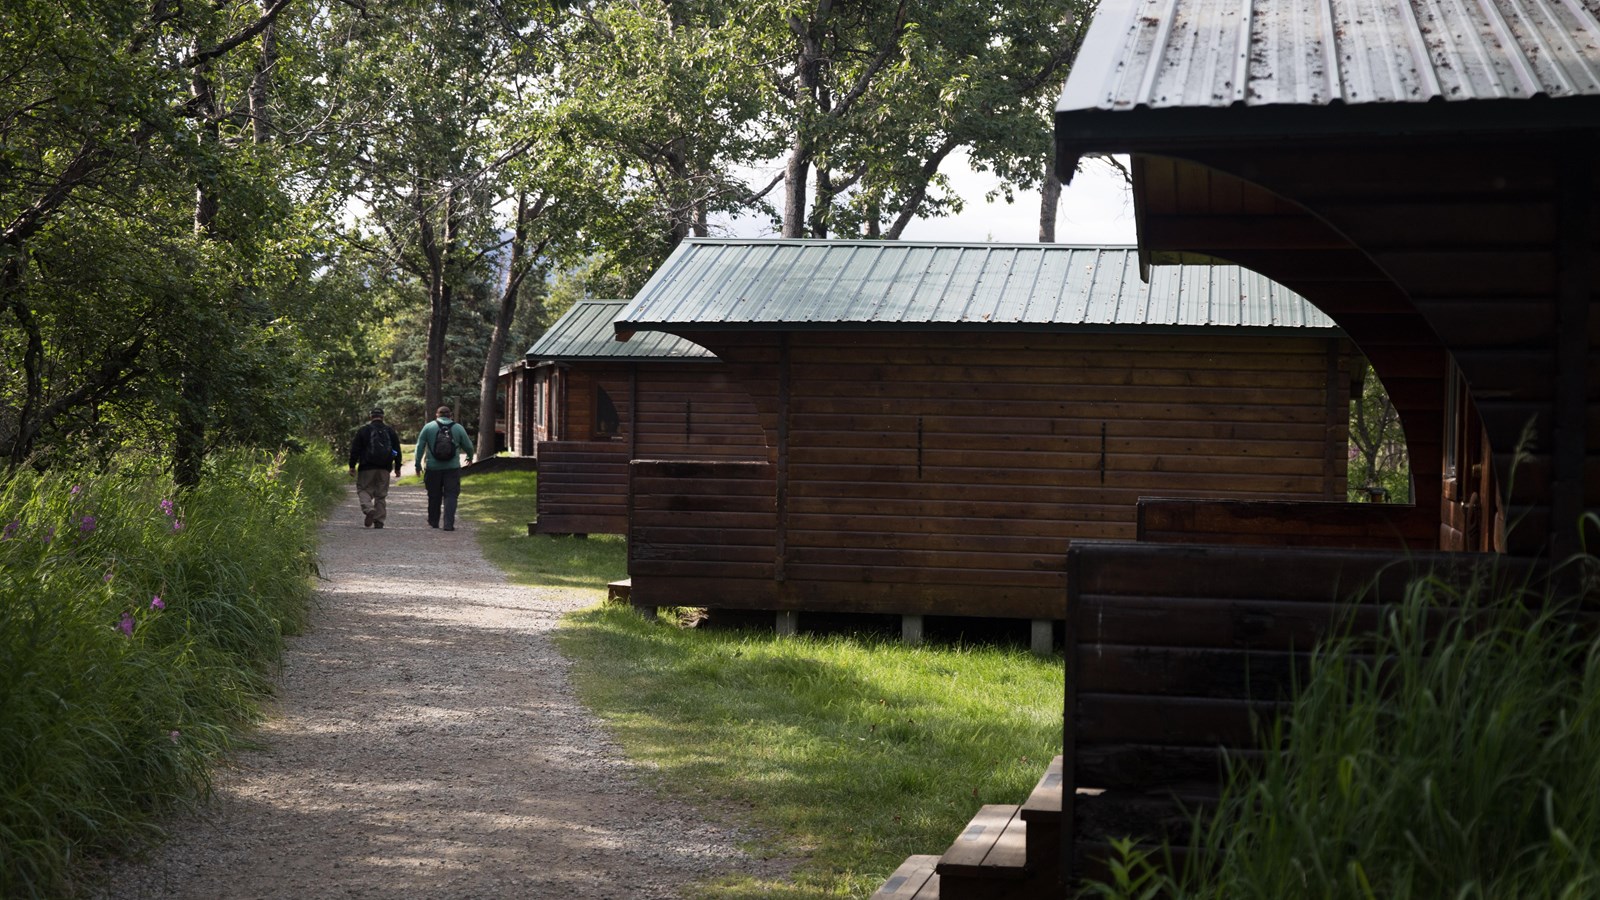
x,y
618,591
989,859
1042,812
914,880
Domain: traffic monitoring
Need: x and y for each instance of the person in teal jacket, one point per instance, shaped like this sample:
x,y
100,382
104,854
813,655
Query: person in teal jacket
x,y
438,457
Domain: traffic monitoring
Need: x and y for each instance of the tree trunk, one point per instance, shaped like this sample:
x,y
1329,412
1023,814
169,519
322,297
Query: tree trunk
x,y
189,443
437,247
488,387
260,123
794,188
1049,200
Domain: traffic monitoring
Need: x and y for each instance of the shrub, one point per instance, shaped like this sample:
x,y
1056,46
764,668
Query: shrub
x,y
138,628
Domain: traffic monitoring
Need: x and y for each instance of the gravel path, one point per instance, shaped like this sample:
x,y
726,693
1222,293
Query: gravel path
x,y
426,743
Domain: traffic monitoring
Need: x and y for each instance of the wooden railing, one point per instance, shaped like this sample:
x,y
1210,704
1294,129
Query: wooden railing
x,y
583,487
702,533
1177,654
1287,524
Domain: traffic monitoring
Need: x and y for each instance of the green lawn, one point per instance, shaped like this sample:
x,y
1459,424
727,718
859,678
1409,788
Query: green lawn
x,y
846,754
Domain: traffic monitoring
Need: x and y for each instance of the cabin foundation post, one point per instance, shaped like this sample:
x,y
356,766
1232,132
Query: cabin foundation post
x,y
645,611
911,629
788,623
1044,637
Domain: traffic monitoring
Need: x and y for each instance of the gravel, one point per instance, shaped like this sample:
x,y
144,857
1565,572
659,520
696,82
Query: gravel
x,y
426,742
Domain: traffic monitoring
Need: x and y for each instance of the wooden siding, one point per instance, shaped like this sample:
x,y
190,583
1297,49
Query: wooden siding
x,y
1280,524
583,488
684,411
1488,250
944,473
702,533
1171,651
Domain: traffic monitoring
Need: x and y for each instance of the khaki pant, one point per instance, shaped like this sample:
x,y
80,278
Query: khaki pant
x,y
372,488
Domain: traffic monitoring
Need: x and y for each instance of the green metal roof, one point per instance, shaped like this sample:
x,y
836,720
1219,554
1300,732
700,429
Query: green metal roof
x,y
584,332
713,285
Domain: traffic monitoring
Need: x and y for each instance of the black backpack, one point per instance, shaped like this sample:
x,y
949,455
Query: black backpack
x,y
444,442
380,450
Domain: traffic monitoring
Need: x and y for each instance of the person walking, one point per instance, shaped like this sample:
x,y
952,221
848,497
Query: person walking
x,y
440,445
374,453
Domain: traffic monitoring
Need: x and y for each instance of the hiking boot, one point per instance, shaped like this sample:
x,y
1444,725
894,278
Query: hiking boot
x,y
377,524
367,519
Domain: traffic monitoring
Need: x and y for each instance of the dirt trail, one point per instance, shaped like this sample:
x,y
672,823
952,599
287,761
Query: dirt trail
x,y
426,743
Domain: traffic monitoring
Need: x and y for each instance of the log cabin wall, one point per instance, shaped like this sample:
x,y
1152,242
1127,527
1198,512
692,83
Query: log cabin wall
x,y
1170,650
1486,250
684,410
945,472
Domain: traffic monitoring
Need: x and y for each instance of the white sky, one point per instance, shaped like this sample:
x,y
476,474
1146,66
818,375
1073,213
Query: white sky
x,y
1097,208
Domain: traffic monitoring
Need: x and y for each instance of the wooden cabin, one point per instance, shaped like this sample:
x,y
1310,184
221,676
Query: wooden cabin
x,y
1427,175
942,420
518,413
593,403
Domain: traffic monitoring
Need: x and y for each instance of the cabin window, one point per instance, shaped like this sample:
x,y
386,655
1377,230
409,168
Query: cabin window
x,y
607,424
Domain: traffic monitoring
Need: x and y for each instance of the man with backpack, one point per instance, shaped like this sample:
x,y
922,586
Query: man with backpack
x,y
440,445
374,453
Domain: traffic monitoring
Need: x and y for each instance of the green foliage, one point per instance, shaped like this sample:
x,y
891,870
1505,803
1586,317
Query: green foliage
x,y
166,257
1377,444
137,632
1421,762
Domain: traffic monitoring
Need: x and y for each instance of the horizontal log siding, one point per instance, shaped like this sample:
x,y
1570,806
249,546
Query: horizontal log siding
x,y
1280,524
1476,248
702,534
695,411
583,488
1172,649
946,473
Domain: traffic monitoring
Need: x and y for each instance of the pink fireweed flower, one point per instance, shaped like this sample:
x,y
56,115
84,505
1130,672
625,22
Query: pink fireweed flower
x,y
157,603
177,524
87,525
166,507
126,625
76,489
10,530
173,735
107,578
49,534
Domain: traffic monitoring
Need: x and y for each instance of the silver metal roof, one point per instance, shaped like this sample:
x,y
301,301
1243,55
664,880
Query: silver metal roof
x,y
769,284
1218,53
584,332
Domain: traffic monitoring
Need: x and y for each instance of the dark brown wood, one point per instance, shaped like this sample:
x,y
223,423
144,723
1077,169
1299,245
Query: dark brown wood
x,y
947,474
1177,654
1271,523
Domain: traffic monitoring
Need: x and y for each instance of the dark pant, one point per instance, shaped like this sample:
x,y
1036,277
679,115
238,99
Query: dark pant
x,y
444,486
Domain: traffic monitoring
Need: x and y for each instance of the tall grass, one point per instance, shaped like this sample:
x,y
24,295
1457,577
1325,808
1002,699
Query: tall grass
x,y
1418,763
138,629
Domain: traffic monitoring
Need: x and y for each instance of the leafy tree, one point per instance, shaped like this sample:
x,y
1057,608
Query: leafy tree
x,y
156,250
1377,444
877,96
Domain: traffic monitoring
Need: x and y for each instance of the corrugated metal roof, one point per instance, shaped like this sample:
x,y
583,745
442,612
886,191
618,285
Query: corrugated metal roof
x,y
1217,53
710,284
584,332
